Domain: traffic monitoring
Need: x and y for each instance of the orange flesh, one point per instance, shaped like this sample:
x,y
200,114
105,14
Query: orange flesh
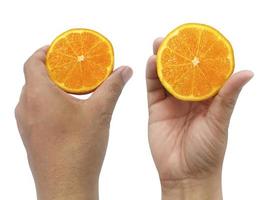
x,y
194,61
79,60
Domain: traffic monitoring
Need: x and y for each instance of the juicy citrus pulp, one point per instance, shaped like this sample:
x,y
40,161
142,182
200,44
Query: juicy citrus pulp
x,y
79,60
194,61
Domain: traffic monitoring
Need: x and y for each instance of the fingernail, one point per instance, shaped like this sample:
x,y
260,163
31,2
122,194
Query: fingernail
x,y
126,73
119,68
251,73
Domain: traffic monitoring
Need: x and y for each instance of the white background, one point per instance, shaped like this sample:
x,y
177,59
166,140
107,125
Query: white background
x,y
128,171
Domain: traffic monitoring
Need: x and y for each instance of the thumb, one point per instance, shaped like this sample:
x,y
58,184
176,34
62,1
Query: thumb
x,y
223,104
109,91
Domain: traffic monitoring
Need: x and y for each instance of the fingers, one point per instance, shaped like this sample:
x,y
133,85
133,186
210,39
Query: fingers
x,y
41,53
151,70
110,90
153,83
34,68
156,45
223,104
155,91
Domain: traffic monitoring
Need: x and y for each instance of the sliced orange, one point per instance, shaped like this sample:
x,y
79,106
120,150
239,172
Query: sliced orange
x,y
79,60
194,61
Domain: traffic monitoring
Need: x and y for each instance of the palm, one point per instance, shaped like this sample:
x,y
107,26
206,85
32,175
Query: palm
x,y
182,139
188,139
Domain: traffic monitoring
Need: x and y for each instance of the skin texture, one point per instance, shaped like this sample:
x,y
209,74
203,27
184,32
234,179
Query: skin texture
x,y
188,139
65,138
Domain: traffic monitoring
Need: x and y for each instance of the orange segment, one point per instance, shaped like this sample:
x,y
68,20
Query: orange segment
x,y
194,61
79,60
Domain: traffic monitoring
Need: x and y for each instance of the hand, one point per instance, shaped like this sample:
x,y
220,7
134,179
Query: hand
x,y
188,139
65,138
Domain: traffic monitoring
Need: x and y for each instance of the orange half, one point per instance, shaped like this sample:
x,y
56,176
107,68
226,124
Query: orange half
x,y
194,61
79,60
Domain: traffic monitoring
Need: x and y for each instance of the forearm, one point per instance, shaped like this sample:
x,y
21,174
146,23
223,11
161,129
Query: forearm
x,y
191,189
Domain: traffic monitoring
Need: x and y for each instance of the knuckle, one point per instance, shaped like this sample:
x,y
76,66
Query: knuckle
x,y
101,109
36,56
115,88
17,111
30,62
105,116
151,59
227,102
26,66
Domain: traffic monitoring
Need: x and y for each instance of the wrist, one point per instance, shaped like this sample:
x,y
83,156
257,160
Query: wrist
x,y
68,191
192,189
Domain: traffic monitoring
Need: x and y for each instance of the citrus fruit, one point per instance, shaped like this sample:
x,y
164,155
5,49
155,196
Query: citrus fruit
x,y
79,60
194,61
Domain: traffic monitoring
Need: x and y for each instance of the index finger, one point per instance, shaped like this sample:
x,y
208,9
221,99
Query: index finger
x,y
155,91
34,67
